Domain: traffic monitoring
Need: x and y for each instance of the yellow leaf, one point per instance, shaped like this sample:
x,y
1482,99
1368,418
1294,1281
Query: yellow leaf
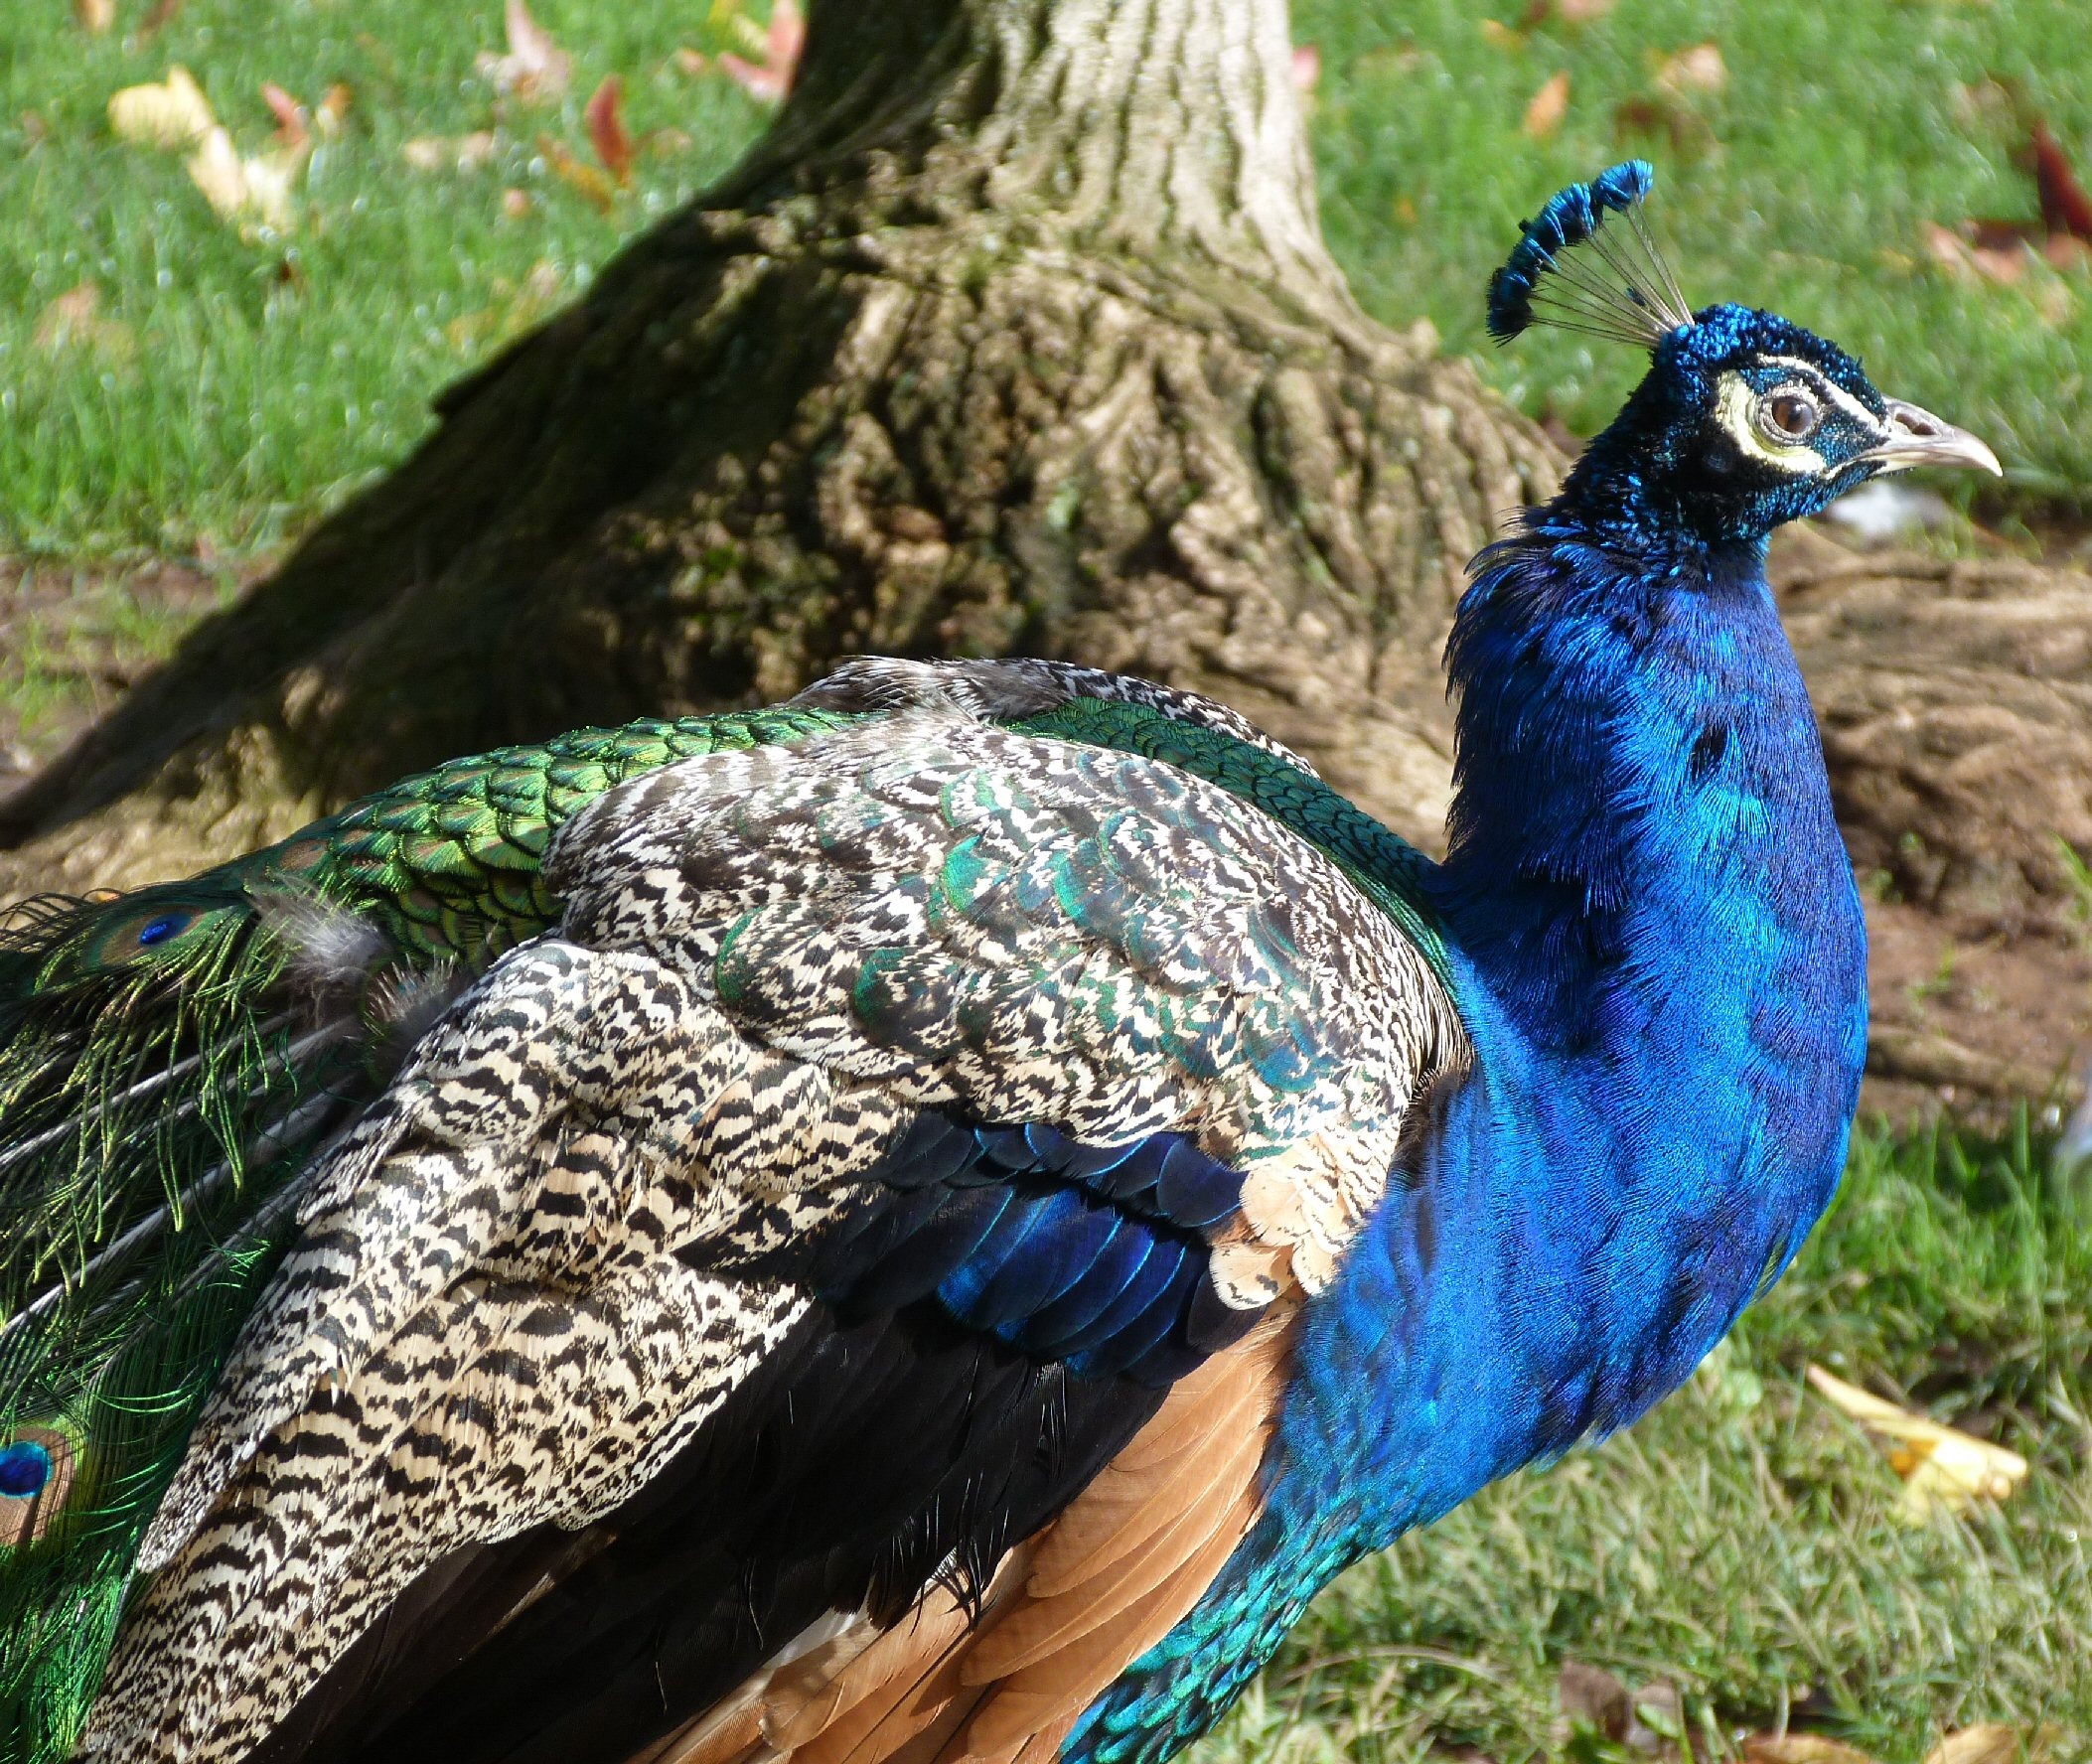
x,y
172,114
1501,36
1942,1469
215,167
1548,106
1989,1742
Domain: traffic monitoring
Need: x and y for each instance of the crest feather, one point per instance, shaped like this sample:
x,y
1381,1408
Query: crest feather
x,y
1619,287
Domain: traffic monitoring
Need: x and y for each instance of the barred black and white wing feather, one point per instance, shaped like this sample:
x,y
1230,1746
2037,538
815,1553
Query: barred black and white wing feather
x,y
894,1132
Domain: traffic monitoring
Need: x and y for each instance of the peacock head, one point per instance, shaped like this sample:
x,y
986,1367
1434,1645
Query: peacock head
x,y
1745,419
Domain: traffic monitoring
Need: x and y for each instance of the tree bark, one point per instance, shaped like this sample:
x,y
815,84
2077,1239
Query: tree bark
x,y
1016,332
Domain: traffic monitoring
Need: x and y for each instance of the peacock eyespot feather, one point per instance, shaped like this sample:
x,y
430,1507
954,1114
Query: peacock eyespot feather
x,y
160,927
36,1468
24,1467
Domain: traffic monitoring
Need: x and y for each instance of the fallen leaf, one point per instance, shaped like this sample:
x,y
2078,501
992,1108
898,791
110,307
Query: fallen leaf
x,y
2065,252
1548,106
1685,128
158,17
606,130
1984,103
2065,208
1942,1469
1987,1743
175,113
258,190
1993,258
535,68
292,122
595,189
95,16
218,174
1592,1696
1307,68
1801,1748
781,45
1700,69
73,320
332,111
447,153
1501,36
516,204
517,310
689,61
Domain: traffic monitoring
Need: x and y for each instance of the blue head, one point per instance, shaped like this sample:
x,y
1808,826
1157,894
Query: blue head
x,y
1744,420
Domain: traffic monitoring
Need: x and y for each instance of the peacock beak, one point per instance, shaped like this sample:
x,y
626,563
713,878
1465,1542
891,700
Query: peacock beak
x,y
1918,438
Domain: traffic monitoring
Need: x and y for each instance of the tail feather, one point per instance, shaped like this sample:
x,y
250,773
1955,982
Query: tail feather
x,y
164,1078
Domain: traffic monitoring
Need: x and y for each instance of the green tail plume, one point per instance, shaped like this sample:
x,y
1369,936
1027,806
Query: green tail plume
x,y
171,1061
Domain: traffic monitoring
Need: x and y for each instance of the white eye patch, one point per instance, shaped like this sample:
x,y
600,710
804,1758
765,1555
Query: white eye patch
x,y
1735,409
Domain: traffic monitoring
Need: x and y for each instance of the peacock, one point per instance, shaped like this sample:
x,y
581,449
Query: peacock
x,y
927,1221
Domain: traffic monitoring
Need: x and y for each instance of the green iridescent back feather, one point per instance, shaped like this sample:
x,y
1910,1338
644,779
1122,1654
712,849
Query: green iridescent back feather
x,y
169,1064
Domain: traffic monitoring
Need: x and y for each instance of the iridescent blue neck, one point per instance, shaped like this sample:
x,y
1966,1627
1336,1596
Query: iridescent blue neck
x,y
1658,953
1660,957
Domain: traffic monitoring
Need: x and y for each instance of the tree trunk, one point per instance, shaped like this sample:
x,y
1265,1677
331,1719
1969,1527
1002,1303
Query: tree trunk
x,y
1015,333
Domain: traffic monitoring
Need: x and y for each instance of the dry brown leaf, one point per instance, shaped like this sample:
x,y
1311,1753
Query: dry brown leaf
x,y
1501,36
1942,1469
595,189
1700,69
606,130
1987,1743
449,153
2065,208
158,17
516,204
1548,106
172,114
535,68
1592,1696
1801,1748
95,16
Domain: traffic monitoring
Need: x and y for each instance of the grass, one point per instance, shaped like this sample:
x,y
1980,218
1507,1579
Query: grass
x,y
1743,1542
233,384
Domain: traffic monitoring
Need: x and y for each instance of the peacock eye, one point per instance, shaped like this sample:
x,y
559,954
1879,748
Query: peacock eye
x,y
1790,415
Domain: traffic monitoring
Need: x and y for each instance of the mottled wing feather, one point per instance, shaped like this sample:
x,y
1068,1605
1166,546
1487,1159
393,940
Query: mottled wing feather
x,y
568,1230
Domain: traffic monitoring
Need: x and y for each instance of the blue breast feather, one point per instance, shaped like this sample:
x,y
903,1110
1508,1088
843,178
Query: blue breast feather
x,y
1658,953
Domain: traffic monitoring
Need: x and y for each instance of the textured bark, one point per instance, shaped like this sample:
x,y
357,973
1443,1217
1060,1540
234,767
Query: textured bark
x,y
1015,333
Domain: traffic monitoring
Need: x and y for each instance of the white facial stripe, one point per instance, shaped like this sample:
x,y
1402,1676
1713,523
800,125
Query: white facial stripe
x,y
1837,395
1734,404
